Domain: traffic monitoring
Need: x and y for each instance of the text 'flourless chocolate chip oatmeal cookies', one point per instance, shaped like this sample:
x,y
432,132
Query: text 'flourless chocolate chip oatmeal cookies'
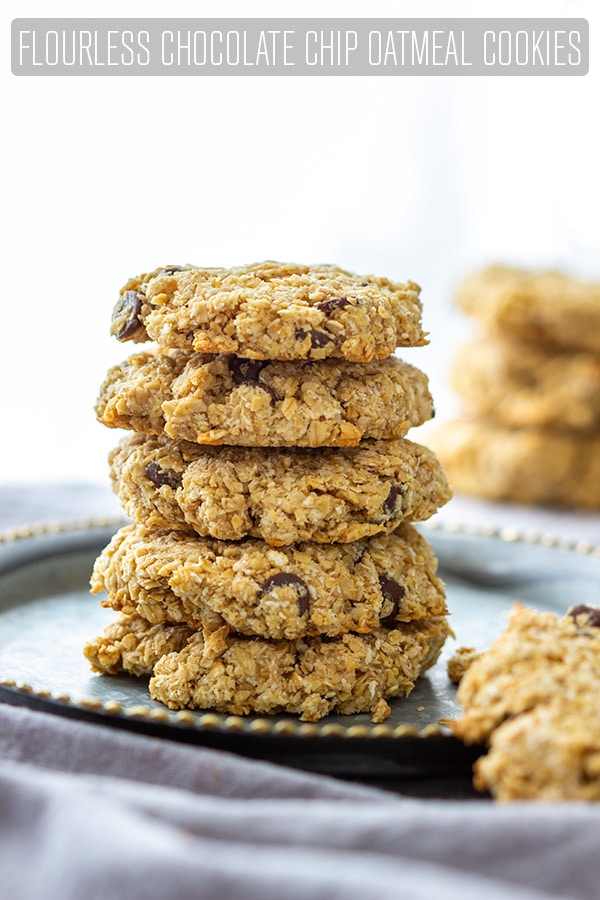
x,y
272,566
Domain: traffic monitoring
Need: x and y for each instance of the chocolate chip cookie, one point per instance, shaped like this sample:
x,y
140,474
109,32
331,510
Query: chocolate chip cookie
x,y
533,698
519,384
288,592
524,465
227,400
271,310
283,496
535,307
312,677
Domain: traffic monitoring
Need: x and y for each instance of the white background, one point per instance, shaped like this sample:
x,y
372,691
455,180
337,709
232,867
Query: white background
x,y
419,178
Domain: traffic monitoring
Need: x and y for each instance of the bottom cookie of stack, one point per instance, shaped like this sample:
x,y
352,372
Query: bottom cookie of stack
x,y
231,673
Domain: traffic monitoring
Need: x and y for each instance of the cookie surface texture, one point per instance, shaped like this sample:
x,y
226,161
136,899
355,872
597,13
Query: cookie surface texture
x,y
256,589
271,310
283,496
219,670
226,400
536,307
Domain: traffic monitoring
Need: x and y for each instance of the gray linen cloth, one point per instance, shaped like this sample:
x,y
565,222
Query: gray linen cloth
x,y
89,812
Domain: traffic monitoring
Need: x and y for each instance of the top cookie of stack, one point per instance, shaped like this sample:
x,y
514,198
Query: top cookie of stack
x,y
271,311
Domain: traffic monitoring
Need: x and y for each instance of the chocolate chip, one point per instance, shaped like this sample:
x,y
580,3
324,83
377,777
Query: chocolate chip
x,y
130,307
393,591
245,371
365,283
287,579
159,476
359,551
171,270
591,613
389,504
265,387
328,306
317,338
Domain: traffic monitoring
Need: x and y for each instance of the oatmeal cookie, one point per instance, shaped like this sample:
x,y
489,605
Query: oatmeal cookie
x,y
283,496
232,674
271,310
551,752
517,384
227,400
537,658
533,698
536,307
523,465
288,592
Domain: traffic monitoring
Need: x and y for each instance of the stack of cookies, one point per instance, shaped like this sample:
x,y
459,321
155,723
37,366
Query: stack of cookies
x,y
531,390
271,565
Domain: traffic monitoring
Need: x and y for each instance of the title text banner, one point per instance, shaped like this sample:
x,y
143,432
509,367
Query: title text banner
x,y
300,47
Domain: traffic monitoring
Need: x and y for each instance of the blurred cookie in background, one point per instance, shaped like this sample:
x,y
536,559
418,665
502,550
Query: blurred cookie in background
x,y
520,384
520,465
536,307
529,389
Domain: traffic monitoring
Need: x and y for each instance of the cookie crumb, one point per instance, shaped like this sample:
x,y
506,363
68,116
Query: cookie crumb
x,y
459,662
